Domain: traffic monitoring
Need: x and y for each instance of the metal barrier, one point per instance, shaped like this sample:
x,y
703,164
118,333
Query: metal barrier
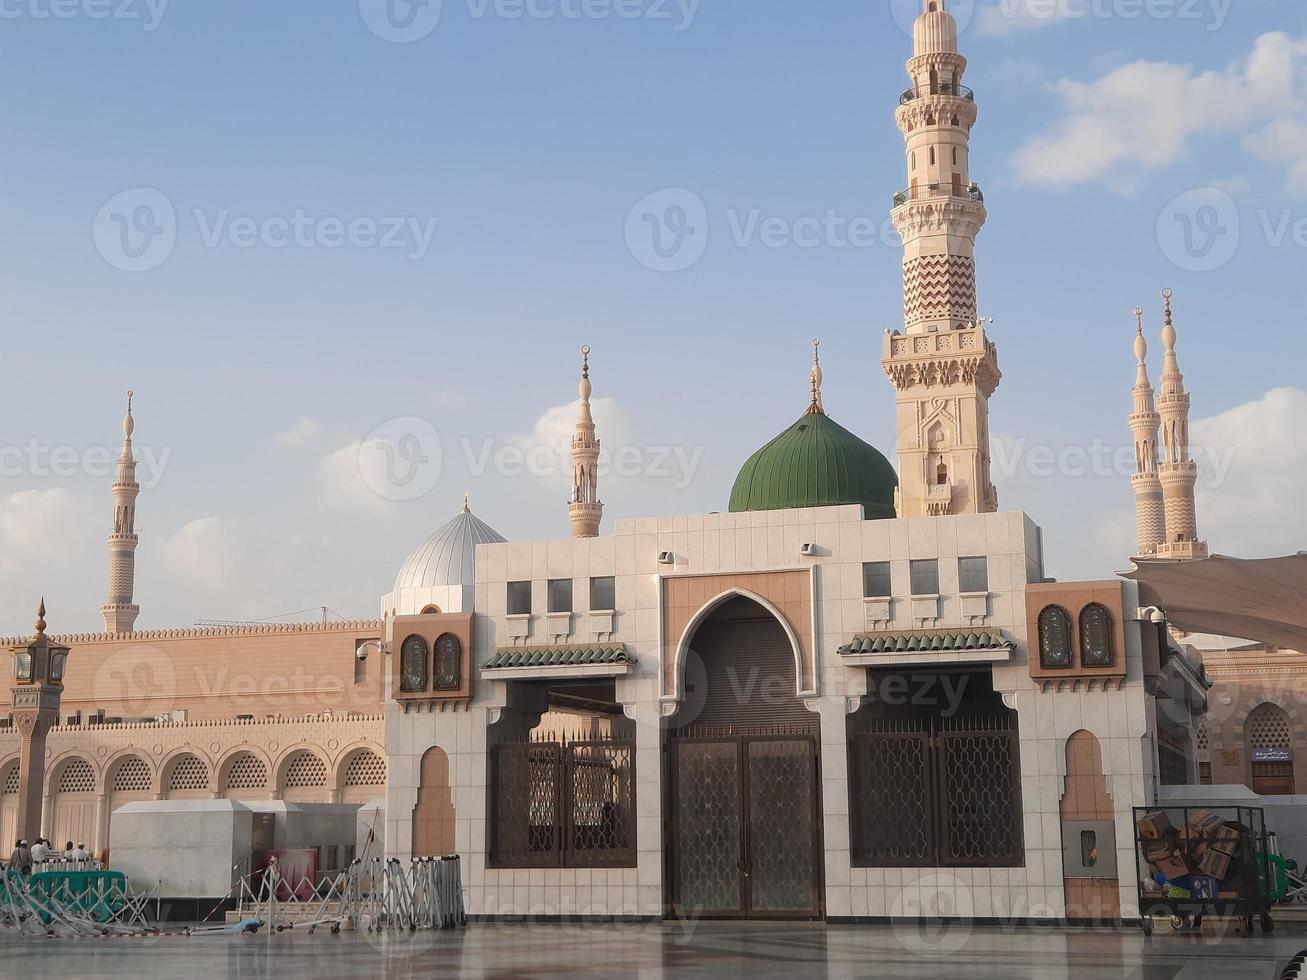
x,y
376,895
72,903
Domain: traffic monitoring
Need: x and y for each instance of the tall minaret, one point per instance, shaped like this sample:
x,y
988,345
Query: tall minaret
x,y
943,366
584,508
1150,516
120,611
1179,473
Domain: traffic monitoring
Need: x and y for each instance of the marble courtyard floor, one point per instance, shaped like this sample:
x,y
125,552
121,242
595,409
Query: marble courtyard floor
x,y
711,950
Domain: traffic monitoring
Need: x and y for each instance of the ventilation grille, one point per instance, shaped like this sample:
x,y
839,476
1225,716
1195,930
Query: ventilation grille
x,y
11,781
366,769
306,770
133,776
247,772
1202,737
78,776
189,774
1268,728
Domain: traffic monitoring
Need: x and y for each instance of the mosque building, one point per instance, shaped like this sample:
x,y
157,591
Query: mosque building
x,y
851,693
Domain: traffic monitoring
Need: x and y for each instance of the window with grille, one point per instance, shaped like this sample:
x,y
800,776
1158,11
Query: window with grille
x,y
11,781
78,776
306,770
519,598
973,574
1202,737
1054,638
189,773
413,664
1268,728
133,776
876,580
925,576
1096,636
603,593
247,772
366,769
560,595
448,662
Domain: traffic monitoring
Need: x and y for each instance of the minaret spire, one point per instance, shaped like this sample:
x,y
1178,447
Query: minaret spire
x,y
942,365
1179,473
584,508
816,408
120,610
1150,515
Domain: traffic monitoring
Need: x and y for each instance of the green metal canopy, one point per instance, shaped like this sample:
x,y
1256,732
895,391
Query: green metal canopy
x,y
927,641
816,462
564,656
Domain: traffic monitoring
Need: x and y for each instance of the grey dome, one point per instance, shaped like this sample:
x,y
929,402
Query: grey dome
x,y
448,557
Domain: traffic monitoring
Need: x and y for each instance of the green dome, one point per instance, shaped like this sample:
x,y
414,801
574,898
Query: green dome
x,y
816,462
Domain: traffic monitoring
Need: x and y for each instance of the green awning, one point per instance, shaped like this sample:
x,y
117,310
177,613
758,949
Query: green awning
x,y
508,658
927,641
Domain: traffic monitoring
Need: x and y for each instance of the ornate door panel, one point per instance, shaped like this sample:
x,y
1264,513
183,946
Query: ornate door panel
x,y
707,841
745,836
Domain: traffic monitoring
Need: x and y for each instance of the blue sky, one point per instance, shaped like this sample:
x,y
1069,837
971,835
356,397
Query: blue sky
x,y
265,366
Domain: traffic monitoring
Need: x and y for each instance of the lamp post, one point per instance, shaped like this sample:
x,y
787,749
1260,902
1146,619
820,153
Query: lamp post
x,y
38,687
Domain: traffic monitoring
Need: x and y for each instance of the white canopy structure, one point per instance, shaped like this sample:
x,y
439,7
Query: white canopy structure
x,y
1262,599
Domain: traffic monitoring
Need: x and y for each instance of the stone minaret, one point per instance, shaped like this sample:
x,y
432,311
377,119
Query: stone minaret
x,y
942,365
1150,515
584,508
1179,473
120,611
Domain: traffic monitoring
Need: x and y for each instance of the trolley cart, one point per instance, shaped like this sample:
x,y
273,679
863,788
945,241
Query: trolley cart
x,y
1212,861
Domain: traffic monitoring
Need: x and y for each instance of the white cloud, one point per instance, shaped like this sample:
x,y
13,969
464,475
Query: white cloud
x,y
297,435
1008,17
206,551
1255,510
38,526
51,544
343,482
548,446
1142,116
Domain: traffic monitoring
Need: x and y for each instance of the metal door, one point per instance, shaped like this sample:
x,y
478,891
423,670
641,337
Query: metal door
x,y
745,837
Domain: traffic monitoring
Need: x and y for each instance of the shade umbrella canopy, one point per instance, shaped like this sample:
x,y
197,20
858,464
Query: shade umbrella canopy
x,y
1262,599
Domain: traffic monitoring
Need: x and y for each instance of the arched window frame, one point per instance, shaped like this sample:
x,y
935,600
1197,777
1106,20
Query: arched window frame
x,y
1097,639
414,664
1054,630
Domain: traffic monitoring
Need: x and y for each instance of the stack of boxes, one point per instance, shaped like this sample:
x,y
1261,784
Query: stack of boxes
x,y
1209,858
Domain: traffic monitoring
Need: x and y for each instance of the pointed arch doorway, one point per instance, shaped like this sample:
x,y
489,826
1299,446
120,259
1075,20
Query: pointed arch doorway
x,y
743,775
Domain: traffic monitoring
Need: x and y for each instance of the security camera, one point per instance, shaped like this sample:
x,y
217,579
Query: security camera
x,y
362,650
1157,618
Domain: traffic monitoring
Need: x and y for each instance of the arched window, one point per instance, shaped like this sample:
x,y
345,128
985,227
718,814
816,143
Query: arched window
x,y
955,156
1270,744
1054,638
932,156
132,776
77,776
413,664
449,663
1096,636
189,774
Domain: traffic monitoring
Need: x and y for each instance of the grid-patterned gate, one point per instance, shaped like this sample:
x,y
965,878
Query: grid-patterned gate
x,y
745,822
937,791
564,804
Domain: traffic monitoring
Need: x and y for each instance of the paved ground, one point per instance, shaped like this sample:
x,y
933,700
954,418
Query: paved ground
x,y
758,951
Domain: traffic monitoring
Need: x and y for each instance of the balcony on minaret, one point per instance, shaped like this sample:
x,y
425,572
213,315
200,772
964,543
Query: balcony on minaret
x,y
946,89
939,499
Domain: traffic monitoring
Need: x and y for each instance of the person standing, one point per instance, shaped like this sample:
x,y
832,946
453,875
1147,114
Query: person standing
x,y
20,861
40,851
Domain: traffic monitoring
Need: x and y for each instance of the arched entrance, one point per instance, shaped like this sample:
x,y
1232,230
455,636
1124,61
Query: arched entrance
x,y
744,838
433,816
